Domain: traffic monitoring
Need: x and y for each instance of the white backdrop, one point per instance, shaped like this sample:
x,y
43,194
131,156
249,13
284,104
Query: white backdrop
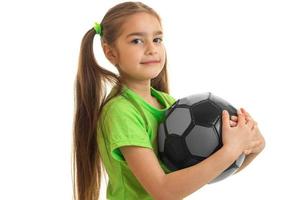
x,y
246,52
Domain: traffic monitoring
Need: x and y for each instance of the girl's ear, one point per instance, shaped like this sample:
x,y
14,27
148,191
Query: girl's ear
x,y
110,53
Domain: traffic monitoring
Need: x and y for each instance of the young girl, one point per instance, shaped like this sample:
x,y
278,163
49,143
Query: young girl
x,y
119,130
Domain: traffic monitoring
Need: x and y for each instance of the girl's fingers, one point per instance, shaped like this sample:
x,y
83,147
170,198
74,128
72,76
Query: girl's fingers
x,y
247,119
246,113
225,120
248,116
241,118
234,118
232,123
243,110
250,124
250,119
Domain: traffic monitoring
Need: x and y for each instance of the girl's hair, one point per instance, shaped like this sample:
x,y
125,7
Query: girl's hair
x,y
90,97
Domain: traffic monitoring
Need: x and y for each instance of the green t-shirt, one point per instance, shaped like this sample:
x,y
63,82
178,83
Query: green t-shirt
x,y
128,119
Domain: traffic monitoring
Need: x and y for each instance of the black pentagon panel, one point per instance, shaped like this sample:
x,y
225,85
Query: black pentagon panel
x,y
192,160
223,104
176,149
192,99
167,162
202,141
178,121
232,110
205,113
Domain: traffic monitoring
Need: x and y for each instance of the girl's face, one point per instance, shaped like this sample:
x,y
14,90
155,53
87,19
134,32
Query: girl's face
x,y
140,53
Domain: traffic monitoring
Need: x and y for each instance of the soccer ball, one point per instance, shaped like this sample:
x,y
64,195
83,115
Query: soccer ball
x,y
192,131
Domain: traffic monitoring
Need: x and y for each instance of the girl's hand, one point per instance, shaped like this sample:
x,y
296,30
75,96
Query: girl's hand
x,y
233,121
238,138
259,138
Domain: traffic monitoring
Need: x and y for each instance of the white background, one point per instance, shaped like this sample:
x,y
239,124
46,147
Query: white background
x,y
246,52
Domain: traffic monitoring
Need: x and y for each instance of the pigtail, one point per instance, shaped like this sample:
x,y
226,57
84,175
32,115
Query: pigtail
x,y
90,93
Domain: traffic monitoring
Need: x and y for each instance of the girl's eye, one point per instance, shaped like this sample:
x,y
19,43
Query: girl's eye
x,y
158,40
139,41
136,41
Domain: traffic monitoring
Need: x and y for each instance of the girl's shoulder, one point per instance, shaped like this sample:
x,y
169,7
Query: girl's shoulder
x,y
117,103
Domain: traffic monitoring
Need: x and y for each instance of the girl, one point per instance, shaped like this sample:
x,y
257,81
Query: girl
x,y
118,131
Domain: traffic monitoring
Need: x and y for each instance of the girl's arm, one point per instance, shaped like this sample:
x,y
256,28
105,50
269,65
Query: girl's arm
x,y
258,148
179,184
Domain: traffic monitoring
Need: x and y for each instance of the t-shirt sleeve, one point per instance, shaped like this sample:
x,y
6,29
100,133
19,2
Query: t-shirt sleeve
x,y
124,126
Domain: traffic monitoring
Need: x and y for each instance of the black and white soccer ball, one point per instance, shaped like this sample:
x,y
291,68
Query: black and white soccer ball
x,y
192,131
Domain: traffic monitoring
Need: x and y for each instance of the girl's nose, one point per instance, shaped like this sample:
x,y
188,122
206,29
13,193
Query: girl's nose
x,y
151,48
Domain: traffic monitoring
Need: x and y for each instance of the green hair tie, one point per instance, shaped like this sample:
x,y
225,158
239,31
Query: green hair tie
x,y
98,28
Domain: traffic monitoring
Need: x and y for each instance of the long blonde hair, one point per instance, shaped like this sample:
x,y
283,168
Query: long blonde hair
x,y
90,93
